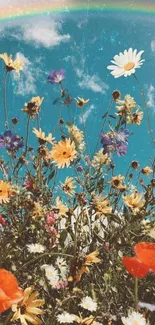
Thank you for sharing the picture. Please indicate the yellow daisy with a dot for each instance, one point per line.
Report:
(134, 201)
(68, 186)
(146, 171)
(5, 192)
(27, 310)
(100, 159)
(10, 65)
(63, 153)
(42, 137)
(80, 102)
(101, 205)
(116, 182)
(62, 208)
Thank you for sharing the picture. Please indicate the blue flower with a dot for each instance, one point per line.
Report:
(10, 141)
(56, 77)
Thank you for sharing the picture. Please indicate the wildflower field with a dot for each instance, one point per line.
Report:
(77, 248)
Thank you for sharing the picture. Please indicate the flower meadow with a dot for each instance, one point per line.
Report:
(80, 248)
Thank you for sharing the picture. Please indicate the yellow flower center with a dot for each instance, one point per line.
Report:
(129, 66)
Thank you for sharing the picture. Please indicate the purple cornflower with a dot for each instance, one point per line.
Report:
(56, 77)
(10, 141)
(122, 135)
(115, 141)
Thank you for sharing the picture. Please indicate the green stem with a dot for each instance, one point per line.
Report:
(4, 100)
(40, 257)
(8, 318)
(136, 292)
(27, 135)
(104, 123)
(38, 122)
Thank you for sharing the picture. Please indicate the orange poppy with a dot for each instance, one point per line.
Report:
(145, 252)
(10, 293)
(135, 267)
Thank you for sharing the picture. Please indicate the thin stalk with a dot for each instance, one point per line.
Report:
(8, 318)
(38, 122)
(40, 257)
(84, 129)
(27, 135)
(4, 101)
(136, 292)
(104, 123)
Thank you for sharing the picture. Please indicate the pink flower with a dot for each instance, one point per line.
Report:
(51, 217)
(51, 230)
(28, 185)
(2, 221)
(61, 284)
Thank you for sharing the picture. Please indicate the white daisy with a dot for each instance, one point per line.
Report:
(66, 318)
(51, 274)
(88, 303)
(35, 248)
(62, 266)
(126, 63)
(134, 318)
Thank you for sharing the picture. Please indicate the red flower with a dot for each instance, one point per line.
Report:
(10, 293)
(145, 252)
(135, 267)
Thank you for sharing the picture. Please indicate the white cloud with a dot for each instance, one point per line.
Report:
(26, 83)
(153, 46)
(86, 80)
(94, 83)
(45, 32)
(151, 97)
(86, 114)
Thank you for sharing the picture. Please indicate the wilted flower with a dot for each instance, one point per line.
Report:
(11, 65)
(116, 95)
(10, 141)
(146, 171)
(125, 64)
(86, 321)
(63, 153)
(81, 101)
(32, 108)
(56, 77)
(27, 310)
(135, 164)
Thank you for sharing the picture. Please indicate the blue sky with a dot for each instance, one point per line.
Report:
(83, 44)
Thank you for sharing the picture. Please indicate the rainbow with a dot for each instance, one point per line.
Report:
(121, 6)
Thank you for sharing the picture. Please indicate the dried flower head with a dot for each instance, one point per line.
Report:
(32, 108)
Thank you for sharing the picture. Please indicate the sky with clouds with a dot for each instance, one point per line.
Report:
(83, 46)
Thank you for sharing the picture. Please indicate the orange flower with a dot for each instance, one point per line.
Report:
(135, 267)
(5, 192)
(10, 293)
(145, 252)
(63, 153)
